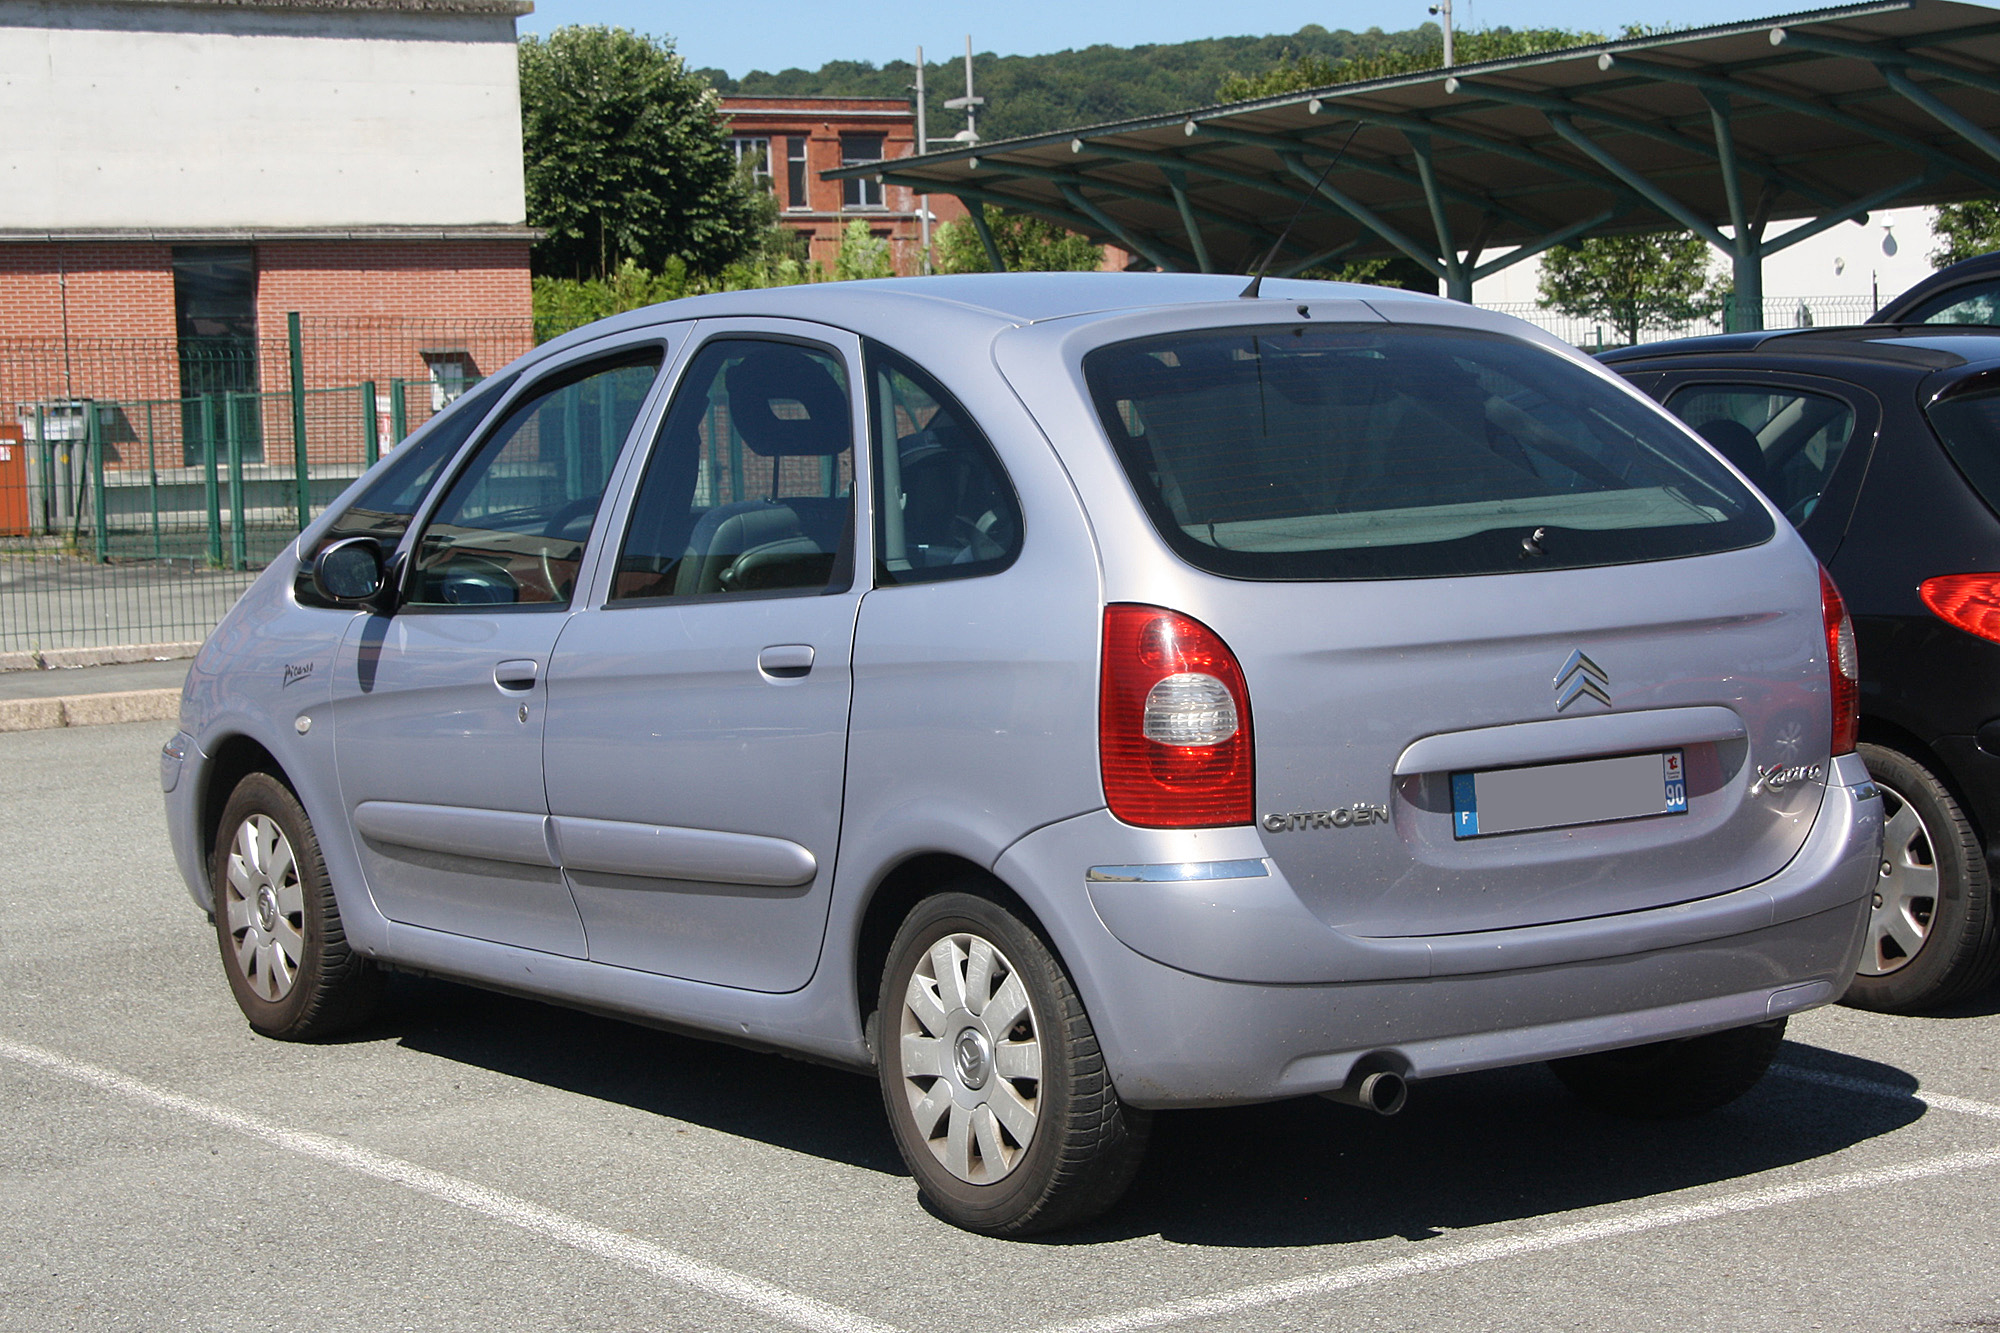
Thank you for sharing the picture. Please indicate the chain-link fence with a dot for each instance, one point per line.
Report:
(1780, 312)
(143, 482)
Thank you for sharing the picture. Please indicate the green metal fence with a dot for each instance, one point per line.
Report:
(137, 518)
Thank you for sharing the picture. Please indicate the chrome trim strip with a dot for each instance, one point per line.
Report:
(1178, 872)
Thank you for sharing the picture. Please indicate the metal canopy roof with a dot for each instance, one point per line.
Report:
(1819, 116)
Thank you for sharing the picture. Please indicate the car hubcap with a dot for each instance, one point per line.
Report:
(1906, 892)
(264, 907)
(971, 1058)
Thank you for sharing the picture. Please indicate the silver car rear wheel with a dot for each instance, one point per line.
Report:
(971, 1059)
(991, 1074)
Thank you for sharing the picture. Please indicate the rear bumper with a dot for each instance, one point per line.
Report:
(1219, 990)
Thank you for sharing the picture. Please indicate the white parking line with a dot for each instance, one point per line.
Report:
(619, 1248)
(1956, 1105)
(1579, 1233)
(1537, 1242)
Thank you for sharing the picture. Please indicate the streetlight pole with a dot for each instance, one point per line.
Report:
(968, 103)
(1443, 10)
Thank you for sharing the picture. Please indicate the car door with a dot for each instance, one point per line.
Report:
(1804, 440)
(439, 707)
(697, 730)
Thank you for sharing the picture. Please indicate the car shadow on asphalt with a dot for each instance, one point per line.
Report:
(1470, 1150)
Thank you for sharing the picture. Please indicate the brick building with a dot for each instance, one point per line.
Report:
(796, 138)
(180, 175)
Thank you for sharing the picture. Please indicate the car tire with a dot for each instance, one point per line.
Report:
(995, 1086)
(1672, 1080)
(276, 922)
(1931, 936)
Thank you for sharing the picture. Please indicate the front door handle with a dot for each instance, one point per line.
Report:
(517, 675)
(786, 661)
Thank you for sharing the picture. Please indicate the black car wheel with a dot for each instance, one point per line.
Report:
(1672, 1080)
(1931, 937)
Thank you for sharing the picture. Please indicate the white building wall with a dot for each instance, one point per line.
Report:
(205, 115)
(1868, 262)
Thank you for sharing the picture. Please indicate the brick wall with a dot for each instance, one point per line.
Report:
(369, 310)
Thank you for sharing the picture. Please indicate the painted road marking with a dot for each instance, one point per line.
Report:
(822, 1317)
(1577, 1233)
(616, 1246)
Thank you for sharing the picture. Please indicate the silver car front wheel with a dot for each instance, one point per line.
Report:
(284, 949)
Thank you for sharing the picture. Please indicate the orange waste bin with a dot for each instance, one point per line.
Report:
(13, 483)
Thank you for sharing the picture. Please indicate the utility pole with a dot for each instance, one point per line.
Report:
(969, 103)
(1443, 10)
(923, 146)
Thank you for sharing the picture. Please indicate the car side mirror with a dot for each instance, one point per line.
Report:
(349, 572)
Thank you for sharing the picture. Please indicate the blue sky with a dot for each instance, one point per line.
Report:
(743, 35)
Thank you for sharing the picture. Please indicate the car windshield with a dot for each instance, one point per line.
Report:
(1354, 452)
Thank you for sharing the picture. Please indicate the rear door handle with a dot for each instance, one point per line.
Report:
(517, 674)
(786, 661)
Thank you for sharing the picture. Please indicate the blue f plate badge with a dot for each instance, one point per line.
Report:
(1589, 791)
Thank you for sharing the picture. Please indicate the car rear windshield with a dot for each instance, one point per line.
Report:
(1969, 424)
(1363, 452)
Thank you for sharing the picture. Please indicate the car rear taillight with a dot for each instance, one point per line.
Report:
(1173, 723)
(1969, 601)
(1843, 666)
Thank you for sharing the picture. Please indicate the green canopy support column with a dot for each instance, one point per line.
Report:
(1361, 213)
(371, 445)
(1746, 255)
(1457, 279)
(93, 436)
(1177, 183)
(1128, 238)
(211, 490)
(976, 210)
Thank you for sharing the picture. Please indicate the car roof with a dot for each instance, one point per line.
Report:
(966, 303)
(1919, 347)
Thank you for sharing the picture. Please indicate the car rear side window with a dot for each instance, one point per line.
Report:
(750, 488)
(513, 527)
(1787, 441)
(1969, 424)
(1363, 452)
(953, 514)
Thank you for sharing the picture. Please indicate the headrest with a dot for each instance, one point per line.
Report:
(786, 404)
(1737, 443)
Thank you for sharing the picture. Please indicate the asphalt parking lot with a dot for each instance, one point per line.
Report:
(477, 1162)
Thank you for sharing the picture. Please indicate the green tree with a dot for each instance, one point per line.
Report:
(862, 254)
(1025, 242)
(626, 158)
(1298, 72)
(1631, 282)
(1965, 230)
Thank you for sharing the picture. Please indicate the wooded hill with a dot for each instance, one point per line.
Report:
(1036, 94)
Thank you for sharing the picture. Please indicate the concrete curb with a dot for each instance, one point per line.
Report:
(89, 710)
(115, 655)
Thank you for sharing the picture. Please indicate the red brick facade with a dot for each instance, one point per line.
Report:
(96, 320)
(808, 135)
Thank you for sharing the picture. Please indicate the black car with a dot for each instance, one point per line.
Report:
(1967, 292)
(1882, 445)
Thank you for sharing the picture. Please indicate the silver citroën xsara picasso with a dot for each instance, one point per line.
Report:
(1068, 696)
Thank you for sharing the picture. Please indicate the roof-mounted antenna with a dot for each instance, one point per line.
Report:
(1256, 286)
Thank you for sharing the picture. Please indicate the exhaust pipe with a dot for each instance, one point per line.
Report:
(1382, 1091)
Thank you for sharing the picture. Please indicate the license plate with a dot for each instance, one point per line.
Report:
(1590, 791)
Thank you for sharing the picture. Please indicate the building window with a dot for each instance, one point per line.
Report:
(856, 150)
(796, 190)
(758, 153)
(215, 318)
